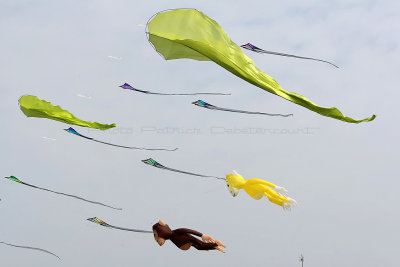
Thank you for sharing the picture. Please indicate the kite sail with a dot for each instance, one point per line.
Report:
(103, 223)
(39, 249)
(189, 33)
(32, 106)
(127, 86)
(203, 104)
(15, 179)
(262, 51)
(71, 130)
(257, 188)
(154, 163)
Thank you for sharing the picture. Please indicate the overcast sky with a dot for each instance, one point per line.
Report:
(344, 176)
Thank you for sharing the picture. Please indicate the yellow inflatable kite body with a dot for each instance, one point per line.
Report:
(257, 188)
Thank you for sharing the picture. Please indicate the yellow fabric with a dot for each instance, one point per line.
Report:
(188, 33)
(32, 106)
(256, 188)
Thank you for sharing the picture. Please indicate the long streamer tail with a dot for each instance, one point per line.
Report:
(13, 178)
(127, 86)
(194, 174)
(154, 163)
(69, 195)
(204, 104)
(73, 131)
(138, 148)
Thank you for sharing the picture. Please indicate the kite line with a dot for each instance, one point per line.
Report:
(127, 86)
(73, 131)
(262, 51)
(103, 223)
(204, 104)
(154, 163)
(15, 179)
(33, 248)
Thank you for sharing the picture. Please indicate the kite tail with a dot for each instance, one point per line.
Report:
(294, 56)
(194, 174)
(103, 223)
(190, 94)
(33, 248)
(131, 230)
(127, 86)
(73, 131)
(139, 148)
(68, 195)
(256, 113)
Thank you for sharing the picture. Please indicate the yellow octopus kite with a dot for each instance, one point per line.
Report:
(258, 188)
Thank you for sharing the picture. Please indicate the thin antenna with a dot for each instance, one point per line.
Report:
(301, 259)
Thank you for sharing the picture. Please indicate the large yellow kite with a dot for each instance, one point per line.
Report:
(189, 33)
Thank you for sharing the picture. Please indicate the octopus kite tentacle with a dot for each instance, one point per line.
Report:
(262, 51)
(15, 179)
(73, 131)
(33, 248)
(204, 104)
(127, 86)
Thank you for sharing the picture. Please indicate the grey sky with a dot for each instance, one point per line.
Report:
(344, 176)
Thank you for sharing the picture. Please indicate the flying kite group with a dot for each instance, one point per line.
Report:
(189, 33)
